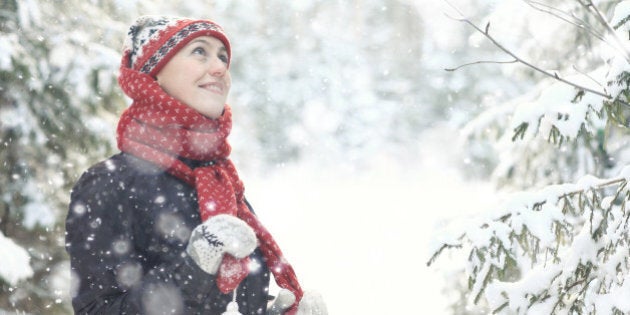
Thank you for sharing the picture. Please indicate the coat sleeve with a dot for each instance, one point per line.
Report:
(110, 275)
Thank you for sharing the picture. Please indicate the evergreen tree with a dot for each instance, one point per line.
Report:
(57, 98)
(560, 247)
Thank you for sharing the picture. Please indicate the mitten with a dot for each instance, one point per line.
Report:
(311, 303)
(281, 303)
(219, 235)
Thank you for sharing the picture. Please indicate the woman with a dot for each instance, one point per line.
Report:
(163, 227)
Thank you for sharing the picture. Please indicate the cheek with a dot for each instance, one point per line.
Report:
(168, 84)
(228, 81)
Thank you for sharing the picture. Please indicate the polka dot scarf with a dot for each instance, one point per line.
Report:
(160, 129)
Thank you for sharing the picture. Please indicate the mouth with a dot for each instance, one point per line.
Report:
(213, 87)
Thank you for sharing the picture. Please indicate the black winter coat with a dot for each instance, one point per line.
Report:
(126, 232)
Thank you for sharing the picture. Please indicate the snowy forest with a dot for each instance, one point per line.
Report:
(416, 156)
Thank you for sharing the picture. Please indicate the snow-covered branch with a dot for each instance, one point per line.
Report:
(592, 8)
(486, 33)
(480, 62)
(562, 248)
(554, 249)
(15, 263)
(569, 18)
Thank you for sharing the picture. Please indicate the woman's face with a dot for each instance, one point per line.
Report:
(198, 76)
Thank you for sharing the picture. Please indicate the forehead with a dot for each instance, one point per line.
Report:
(208, 41)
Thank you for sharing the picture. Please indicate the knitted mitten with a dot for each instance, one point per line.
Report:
(311, 303)
(281, 303)
(219, 235)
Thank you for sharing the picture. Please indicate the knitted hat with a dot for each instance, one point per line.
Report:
(153, 40)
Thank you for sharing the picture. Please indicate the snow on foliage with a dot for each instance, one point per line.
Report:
(621, 13)
(15, 264)
(560, 248)
(8, 44)
(38, 210)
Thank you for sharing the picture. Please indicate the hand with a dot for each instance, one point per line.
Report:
(219, 235)
(312, 303)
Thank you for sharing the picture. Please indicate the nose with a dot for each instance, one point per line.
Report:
(217, 67)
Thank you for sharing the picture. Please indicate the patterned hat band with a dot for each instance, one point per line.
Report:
(153, 40)
(182, 37)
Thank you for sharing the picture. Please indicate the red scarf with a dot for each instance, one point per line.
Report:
(160, 129)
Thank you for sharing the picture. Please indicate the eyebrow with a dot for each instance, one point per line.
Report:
(200, 40)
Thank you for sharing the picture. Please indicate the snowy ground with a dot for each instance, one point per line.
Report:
(361, 239)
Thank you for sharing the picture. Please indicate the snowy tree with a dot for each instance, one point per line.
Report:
(57, 99)
(558, 243)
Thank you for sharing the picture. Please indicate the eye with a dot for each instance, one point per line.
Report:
(224, 58)
(199, 51)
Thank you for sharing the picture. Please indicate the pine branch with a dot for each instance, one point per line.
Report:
(590, 7)
(479, 62)
(608, 183)
(590, 77)
(571, 19)
(4, 219)
(585, 201)
(554, 75)
(582, 24)
(439, 251)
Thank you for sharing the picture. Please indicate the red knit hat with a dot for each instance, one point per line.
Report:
(153, 40)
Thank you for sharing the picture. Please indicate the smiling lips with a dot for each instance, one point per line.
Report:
(214, 87)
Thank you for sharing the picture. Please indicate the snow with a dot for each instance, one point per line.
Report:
(357, 237)
(160, 299)
(15, 264)
(617, 297)
(536, 280)
(361, 229)
(583, 250)
(622, 11)
(554, 109)
(540, 274)
(37, 211)
(28, 12)
(8, 45)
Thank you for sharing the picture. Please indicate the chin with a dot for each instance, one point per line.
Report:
(213, 113)
(212, 110)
